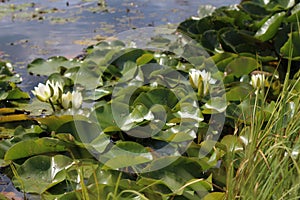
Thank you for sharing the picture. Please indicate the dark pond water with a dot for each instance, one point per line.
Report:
(42, 28)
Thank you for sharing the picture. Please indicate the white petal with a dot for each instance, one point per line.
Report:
(76, 99)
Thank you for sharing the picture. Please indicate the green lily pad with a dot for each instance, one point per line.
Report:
(254, 9)
(54, 122)
(232, 143)
(39, 173)
(215, 196)
(16, 93)
(276, 5)
(215, 104)
(51, 65)
(241, 66)
(295, 14)
(33, 147)
(144, 59)
(127, 154)
(239, 92)
(243, 41)
(270, 27)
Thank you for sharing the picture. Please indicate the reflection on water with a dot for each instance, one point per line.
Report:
(43, 28)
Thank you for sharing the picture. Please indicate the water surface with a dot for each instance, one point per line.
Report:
(44, 28)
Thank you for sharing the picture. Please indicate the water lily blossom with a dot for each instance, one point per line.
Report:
(42, 92)
(201, 80)
(76, 99)
(73, 99)
(66, 100)
(56, 90)
(257, 80)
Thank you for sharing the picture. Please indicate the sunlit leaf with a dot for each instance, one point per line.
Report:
(215, 196)
(33, 147)
(13, 118)
(270, 27)
(144, 59)
(54, 122)
(39, 173)
(232, 143)
(127, 154)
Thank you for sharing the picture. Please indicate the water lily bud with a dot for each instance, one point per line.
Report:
(194, 78)
(9, 66)
(73, 100)
(42, 92)
(76, 99)
(66, 100)
(257, 80)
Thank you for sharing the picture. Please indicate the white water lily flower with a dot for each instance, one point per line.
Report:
(66, 100)
(257, 80)
(76, 99)
(56, 90)
(73, 99)
(42, 92)
(201, 78)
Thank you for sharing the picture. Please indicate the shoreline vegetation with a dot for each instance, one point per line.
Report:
(213, 113)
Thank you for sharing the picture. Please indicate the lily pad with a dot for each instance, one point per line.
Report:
(127, 154)
(33, 147)
(270, 27)
(239, 92)
(241, 66)
(51, 65)
(40, 173)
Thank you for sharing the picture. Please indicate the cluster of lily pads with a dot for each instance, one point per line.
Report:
(156, 124)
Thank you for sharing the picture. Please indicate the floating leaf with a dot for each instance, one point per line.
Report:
(254, 8)
(215, 104)
(215, 196)
(241, 66)
(295, 14)
(81, 130)
(54, 122)
(127, 154)
(239, 92)
(232, 143)
(270, 27)
(276, 5)
(16, 93)
(144, 59)
(242, 41)
(88, 76)
(33, 147)
(162, 96)
(39, 173)
(51, 65)
(13, 118)
(210, 40)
